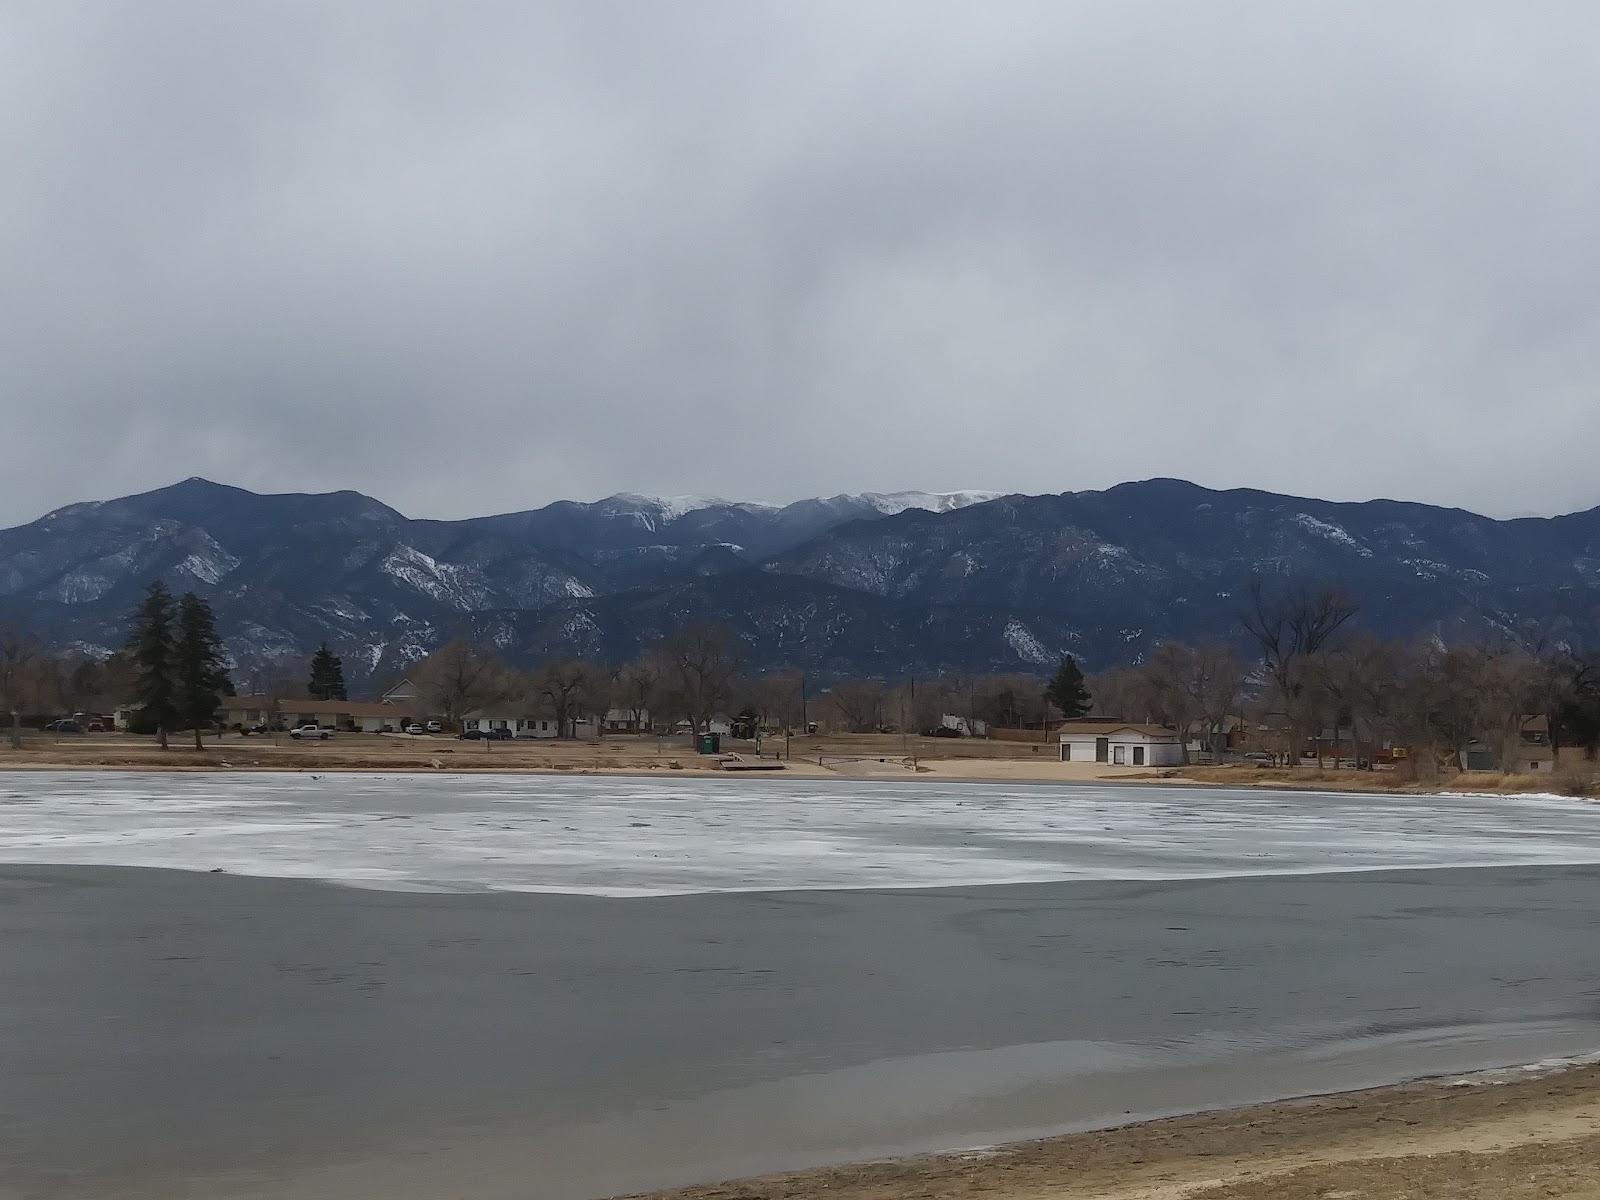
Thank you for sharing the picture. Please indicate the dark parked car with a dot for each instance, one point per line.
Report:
(472, 735)
(65, 725)
(499, 735)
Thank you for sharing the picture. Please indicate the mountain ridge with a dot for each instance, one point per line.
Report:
(872, 581)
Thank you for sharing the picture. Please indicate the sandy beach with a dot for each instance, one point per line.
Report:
(1500, 1135)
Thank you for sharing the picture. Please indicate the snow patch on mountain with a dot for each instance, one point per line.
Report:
(891, 503)
(649, 510)
(1331, 532)
(1028, 648)
(80, 587)
(210, 563)
(458, 586)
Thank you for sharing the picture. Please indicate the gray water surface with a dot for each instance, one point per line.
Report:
(176, 1034)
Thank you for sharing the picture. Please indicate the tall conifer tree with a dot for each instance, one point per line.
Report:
(1066, 689)
(152, 651)
(327, 675)
(201, 676)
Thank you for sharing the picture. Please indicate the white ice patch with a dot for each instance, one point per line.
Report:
(625, 836)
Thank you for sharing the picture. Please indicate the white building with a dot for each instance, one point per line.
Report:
(965, 726)
(513, 718)
(1121, 744)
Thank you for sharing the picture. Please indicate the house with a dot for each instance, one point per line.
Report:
(404, 692)
(1121, 744)
(354, 716)
(719, 723)
(965, 726)
(518, 719)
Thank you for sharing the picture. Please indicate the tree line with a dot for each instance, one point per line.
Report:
(1308, 670)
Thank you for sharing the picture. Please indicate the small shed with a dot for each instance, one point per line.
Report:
(1121, 744)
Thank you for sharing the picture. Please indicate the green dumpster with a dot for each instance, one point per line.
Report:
(709, 743)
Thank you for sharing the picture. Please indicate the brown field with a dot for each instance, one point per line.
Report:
(874, 755)
(1500, 1136)
(868, 755)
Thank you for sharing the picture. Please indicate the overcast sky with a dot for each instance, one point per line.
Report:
(473, 257)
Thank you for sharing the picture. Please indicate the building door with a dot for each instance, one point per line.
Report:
(1066, 751)
(1120, 756)
(1138, 756)
(1102, 748)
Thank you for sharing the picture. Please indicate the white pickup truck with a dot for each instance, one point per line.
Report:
(311, 731)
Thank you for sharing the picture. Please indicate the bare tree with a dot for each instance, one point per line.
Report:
(458, 677)
(1172, 676)
(637, 686)
(859, 703)
(1217, 683)
(698, 664)
(1121, 693)
(19, 664)
(1291, 630)
(563, 685)
(1364, 679)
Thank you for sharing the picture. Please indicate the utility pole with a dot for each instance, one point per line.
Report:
(805, 725)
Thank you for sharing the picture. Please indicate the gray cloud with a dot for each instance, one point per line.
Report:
(475, 257)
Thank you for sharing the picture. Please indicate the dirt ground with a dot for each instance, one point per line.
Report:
(1499, 1136)
(856, 756)
(868, 756)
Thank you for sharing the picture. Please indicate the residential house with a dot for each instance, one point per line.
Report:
(353, 716)
(1530, 752)
(404, 692)
(1121, 744)
(520, 718)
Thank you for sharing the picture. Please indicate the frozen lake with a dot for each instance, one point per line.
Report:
(625, 836)
(574, 986)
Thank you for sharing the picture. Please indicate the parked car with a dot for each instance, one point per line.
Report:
(472, 735)
(65, 725)
(498, 735)
(316, 732)
(414, 728)
(435, 727)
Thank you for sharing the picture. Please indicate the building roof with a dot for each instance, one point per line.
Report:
(353, 708)
(1102, 728)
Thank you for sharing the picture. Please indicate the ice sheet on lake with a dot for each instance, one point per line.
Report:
(622, 836)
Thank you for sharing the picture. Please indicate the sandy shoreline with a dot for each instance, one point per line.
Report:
(1512, 1134)
(850, 756)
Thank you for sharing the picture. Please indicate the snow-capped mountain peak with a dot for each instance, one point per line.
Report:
(890, 503)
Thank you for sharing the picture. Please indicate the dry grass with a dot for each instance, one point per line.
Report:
(1578, 779)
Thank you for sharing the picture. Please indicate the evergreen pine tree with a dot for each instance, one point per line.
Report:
(327, 675)
(151, 651)
(201, 676)
(1066, 690)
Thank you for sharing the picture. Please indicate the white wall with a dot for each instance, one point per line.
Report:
(1080, 748)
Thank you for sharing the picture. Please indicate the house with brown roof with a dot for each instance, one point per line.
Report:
(353, 716)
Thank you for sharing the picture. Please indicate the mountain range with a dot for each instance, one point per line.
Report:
(870, 583)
